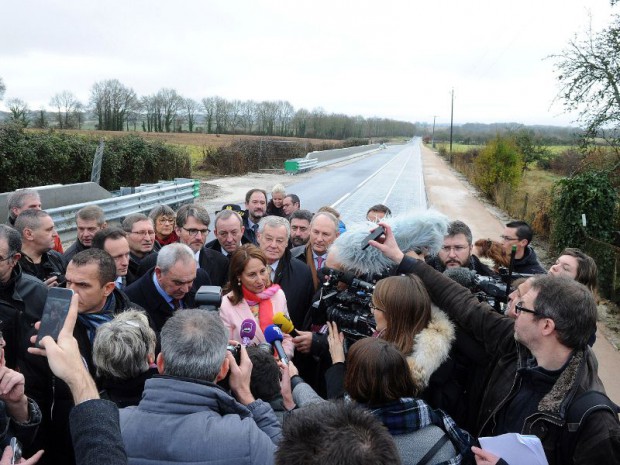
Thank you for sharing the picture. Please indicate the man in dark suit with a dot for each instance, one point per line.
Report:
(255, 208)
(192, 227)
(293, 276)
(171, 285)
(228, 231)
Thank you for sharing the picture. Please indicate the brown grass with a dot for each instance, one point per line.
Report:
(184, 138)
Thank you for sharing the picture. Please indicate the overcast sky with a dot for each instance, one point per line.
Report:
(393, 59)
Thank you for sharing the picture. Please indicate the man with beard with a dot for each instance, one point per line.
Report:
(255, 208)
(456, 251)
(300, 227)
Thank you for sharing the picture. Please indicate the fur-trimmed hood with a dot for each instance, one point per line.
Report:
(431, 347)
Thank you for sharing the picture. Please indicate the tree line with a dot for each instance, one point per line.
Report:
(116, 107)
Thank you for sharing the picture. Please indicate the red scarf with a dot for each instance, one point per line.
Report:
(265, 306)
(171, 239)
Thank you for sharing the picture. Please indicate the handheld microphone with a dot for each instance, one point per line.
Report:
(247, 331)
(285, 324)
(273, 335)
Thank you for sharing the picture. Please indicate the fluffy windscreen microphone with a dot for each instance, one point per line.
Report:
(285, 324)
(422, 229)
(273, 335)
(464, 276)
(247, 331)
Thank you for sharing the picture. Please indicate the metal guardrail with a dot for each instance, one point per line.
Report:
(144, 198)
(297, 165)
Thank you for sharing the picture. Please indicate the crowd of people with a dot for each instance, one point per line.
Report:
(144, 371)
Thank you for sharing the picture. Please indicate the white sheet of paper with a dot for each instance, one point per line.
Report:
(516, 449)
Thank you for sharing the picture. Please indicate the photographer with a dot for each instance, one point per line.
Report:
(539, 364)
(405, 317)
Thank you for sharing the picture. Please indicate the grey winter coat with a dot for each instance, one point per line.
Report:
(189, 421)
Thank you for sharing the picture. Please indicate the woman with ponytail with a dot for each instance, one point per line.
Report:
(251, 295)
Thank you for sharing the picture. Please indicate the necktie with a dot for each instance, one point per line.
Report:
(176, 304)
(319, 263)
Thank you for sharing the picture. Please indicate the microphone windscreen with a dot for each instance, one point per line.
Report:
(283, 322)
(248, 329)
(273, 333)
(423, 229)
(464, 276)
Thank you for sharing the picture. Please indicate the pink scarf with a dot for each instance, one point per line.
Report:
(265, 306)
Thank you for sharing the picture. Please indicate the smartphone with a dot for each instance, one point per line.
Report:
(373, 236)
(54, 313)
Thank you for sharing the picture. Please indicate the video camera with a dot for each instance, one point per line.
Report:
(349, 308)
(209, 297)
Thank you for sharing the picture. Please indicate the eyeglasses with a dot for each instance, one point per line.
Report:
(194, 232)
(10, 255)
(508, 238)
(165, 220)
(520, 308)
(143, 233)
(456, 248)
(374, 307)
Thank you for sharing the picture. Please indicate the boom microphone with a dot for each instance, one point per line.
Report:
(247, 331)
(464, 276)
(285, 324)
(273, 335)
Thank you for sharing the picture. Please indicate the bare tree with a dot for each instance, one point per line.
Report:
(191, 107)
(588, 71)
(111, 102)
(221, 115)
(209, 106)
(2, 88)
(248, 116)
(66, 103)
(170, 104)
(20, 112)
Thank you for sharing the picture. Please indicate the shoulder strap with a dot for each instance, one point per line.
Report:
(433, 450)
(578, 411)
(585, 404)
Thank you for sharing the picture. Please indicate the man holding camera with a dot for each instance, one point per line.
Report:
(539, 365)
(38, 259)
(185, 406)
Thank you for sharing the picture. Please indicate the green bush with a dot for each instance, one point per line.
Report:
(40, 158)
(591, 193)
(499, 163)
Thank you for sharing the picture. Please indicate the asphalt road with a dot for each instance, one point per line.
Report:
(392, 177)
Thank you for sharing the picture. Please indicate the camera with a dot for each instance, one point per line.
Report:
(60, 278)
(209, 297)
(235, 350)
(349, 308)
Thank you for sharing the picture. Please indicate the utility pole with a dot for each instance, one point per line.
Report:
(433, 140)
(451, 123)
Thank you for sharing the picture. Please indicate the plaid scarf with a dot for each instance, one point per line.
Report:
(408, 415)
